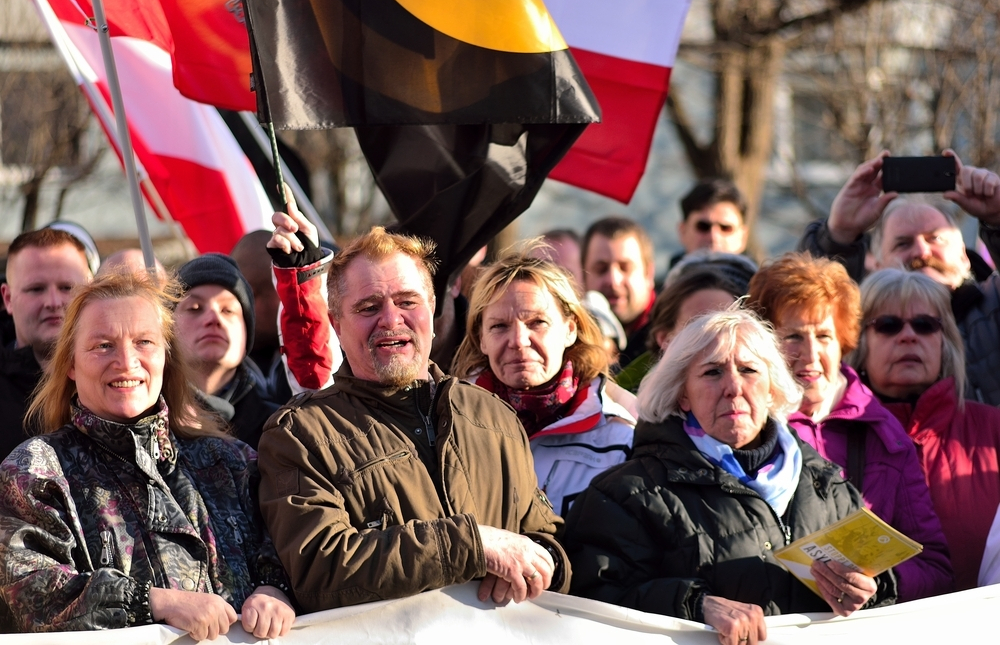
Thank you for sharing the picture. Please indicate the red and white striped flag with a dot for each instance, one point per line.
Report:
(626, 50)
(205, 181)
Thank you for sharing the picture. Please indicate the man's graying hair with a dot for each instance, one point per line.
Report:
(943, 206)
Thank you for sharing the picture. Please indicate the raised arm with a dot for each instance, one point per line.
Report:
(855, 209)
(310, 350)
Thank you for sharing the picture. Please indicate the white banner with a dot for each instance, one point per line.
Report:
(455, 615)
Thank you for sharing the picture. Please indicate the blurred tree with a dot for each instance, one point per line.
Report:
(744, 51)
(44, 118)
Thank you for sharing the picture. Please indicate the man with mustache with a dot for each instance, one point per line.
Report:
(397, 478)
(215, 325)
(43, 267)
(918, 236)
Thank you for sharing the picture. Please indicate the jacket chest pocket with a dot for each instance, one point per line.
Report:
(365, 488)
(370, 467)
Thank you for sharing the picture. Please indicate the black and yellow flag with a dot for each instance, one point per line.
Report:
(462, 107)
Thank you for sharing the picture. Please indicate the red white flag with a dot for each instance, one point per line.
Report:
(211, 52)
(198, 170)
(626, 50)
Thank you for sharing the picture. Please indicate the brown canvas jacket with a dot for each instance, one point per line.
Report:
(357, 516)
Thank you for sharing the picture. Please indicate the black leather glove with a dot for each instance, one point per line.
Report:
(309, 254)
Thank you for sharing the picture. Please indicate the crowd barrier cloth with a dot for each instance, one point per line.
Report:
(455, 615)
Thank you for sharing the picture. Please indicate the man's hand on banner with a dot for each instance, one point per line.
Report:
(268, 613)
(204, 616)
(519, 569)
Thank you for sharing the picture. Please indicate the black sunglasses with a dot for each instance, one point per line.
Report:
(922, 325)
(704, 226)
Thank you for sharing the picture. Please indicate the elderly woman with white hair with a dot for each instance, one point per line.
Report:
(687, 527)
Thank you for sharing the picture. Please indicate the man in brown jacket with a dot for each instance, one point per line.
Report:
(398, 478)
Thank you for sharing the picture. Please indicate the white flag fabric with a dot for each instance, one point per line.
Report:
(455, 615)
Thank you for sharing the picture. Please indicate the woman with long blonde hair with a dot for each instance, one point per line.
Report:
(132, 506)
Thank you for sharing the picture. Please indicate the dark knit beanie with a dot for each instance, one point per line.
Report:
(221, 270)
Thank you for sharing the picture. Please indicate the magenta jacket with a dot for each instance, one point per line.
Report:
(894, 484)
(959, 452)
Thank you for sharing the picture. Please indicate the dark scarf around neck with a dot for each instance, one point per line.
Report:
(539, 407)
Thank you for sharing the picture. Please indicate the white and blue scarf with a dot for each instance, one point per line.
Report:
(776, 480)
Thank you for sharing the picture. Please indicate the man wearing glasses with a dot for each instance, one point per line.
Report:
(713, 218)
(919, 235)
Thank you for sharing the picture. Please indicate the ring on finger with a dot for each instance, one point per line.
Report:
(840, 599)
(744, 639)
(532, 576)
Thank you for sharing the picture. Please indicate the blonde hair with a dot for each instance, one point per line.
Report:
(662, 389)
(378, 244)
(50, 408)
(587, 353)
(892, 288)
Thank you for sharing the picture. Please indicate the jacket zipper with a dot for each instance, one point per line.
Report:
(159, 573)
(107, 555)
(237, 535)
(428, 425)
(785, 529)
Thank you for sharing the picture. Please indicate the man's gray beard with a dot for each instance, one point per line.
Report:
(398, 372)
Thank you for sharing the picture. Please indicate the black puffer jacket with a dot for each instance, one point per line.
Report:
(667, 526)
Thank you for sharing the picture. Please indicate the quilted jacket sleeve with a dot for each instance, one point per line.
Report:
(618, 565)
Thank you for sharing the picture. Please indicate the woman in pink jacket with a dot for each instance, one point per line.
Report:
(816, 310)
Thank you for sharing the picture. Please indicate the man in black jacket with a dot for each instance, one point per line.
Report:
(43, 267)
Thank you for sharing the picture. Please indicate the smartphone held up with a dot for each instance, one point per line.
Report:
(918, 174)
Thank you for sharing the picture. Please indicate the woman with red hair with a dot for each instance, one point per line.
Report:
(815, 308)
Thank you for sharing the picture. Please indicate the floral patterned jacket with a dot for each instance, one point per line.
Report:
(94, 514)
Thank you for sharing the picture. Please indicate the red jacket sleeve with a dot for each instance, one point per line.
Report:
(309, 347)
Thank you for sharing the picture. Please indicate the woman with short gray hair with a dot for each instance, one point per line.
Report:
(688, 525)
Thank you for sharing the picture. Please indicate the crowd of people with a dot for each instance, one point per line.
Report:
(265, 433)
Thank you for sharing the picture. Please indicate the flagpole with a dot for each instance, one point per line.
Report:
(124, 136)
(305, 205)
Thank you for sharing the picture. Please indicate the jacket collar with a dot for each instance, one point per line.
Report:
(860, 405)
(224, 403)
(144, 443)
(684, 463)
(386, 396)
(19, 361)
(933, 411)
(965, 298)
